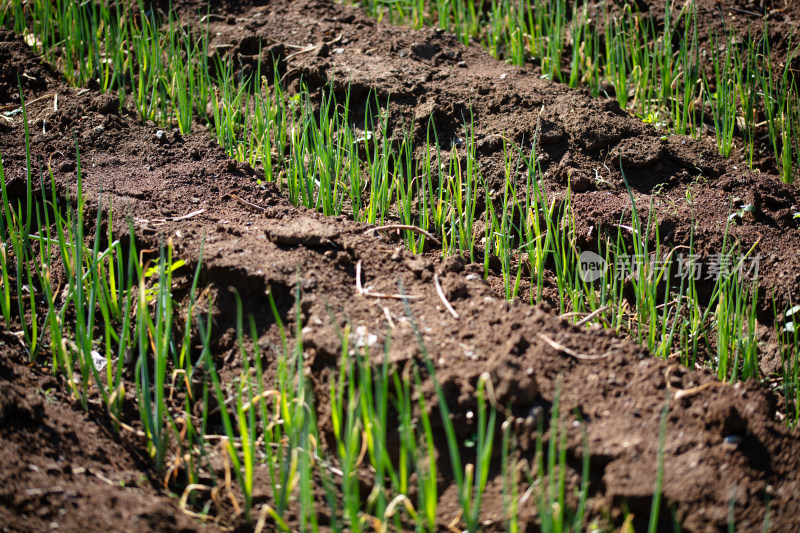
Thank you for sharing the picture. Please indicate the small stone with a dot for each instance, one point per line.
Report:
(161, 136)
(731, 443)
(734, 440)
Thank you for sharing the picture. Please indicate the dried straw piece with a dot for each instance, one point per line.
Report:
(440, 292)
(415, 229)
(572, 353)
(364, 292)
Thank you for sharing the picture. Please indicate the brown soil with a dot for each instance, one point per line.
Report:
(66, 466)
(63, 468)
(429, 73)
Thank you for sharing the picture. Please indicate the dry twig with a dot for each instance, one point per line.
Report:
(440, 292)
(388, 315)
(588, 318)
(185, 498)
(364, 292)
(572, 353)
(305, 50)
(159, 221)
(453, 525)
(414, 229)
(248, 204)
(680, 393)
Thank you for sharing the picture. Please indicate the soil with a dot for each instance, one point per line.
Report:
(64, 468)
(724, 443)
(428, 73)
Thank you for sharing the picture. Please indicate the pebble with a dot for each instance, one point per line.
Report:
(731, 442)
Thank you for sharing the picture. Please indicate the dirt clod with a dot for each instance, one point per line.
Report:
(722, 444)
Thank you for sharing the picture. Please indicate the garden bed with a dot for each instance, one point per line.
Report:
(598, 421)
